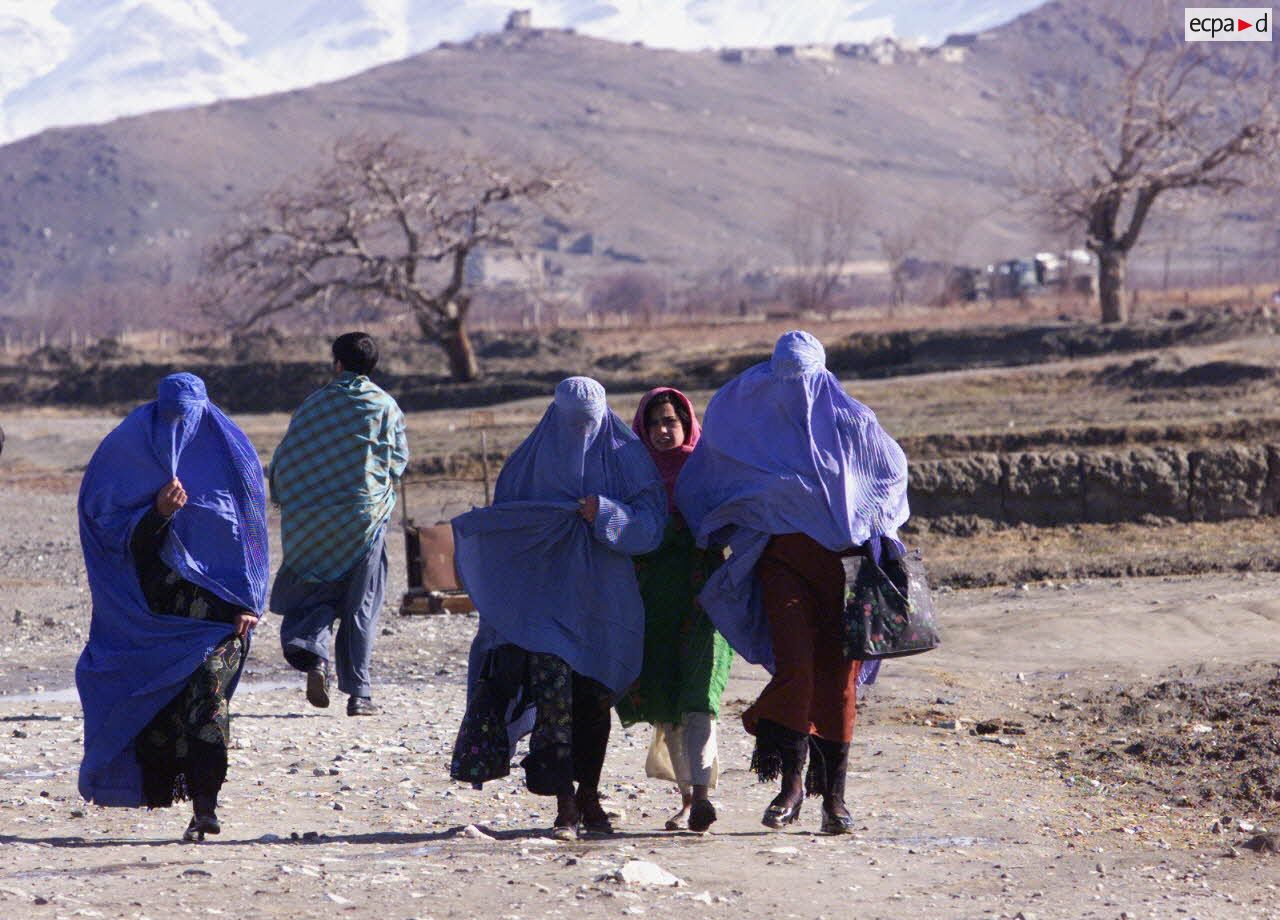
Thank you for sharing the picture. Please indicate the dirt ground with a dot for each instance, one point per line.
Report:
(1079, 747)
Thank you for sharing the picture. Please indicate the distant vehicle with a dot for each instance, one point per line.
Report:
(1064, 269)
(1050, 268)
(1014, 278)
(1073, 270)
(967, 283)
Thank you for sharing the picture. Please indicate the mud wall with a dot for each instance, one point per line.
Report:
(1187, 484)
(1265, 430)
(249, 380)
(249, 387)
(918, 351)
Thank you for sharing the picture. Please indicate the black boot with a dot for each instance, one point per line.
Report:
(591, 723)
(830, 780)
(594, 818)
(205, 819)
(206, 771)
(780, 754)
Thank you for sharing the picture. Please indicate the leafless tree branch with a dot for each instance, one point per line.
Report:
(1169, 117)
(387, 223)
(821, 236)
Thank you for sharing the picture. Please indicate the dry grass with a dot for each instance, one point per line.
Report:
(1035, 554)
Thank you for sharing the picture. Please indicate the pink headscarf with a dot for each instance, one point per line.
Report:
(669, 462)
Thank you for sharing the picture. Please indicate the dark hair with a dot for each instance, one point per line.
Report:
(357, 352)
(675, 402)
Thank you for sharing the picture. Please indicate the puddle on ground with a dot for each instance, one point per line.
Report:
(266, 686)
(79, 871)
(22, 776)
(65, 695)
(69, 694)
(949, 843)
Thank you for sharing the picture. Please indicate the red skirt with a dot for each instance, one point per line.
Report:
(814, 690)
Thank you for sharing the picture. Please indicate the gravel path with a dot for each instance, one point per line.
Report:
(326, 815)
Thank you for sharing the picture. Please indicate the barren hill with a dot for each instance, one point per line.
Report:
(692, 159)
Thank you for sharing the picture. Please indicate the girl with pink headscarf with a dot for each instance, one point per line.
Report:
(686, 662)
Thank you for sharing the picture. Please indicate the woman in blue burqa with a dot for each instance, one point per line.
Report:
(173, 527)
(561, 632)
(792, 473)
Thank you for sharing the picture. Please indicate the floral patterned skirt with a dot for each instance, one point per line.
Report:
(183, 749)
(513, 682)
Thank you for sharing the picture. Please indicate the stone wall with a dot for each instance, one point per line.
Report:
(1062, 487)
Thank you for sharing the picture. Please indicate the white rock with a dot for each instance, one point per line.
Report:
(474, 833)
(641, 872)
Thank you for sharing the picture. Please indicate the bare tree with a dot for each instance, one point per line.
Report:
(635, 292)
(388, 225)
(1155, 116)
(924, 250)
(896, 246)
(548, 298)
(720, 289)
(942, 238)
(820, 235)
(1269, 238)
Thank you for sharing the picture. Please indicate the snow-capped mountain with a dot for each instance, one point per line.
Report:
(86, 61)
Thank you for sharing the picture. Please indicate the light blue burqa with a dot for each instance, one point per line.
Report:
(785, 450)
(541, 577)
(136, 661)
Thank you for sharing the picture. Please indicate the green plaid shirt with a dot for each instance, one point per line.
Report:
(334, 476)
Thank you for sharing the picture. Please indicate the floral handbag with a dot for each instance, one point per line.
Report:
(888, 611)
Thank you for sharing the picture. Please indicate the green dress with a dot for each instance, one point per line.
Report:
(686, 662)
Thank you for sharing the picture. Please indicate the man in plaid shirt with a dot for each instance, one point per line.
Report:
(334, 478)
